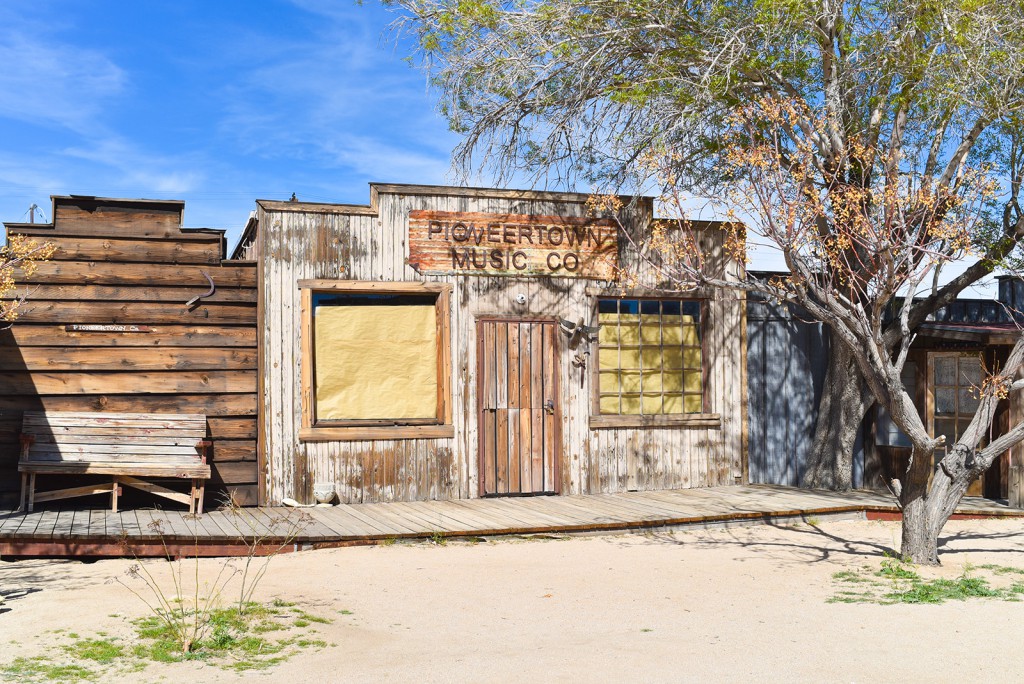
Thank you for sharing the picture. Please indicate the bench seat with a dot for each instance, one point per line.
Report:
(124, 446)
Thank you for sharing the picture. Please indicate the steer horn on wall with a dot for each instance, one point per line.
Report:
(576, 331)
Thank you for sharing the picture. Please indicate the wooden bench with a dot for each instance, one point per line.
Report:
(125, 446)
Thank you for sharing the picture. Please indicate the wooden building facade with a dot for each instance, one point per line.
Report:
(451, 343)
(135, 314)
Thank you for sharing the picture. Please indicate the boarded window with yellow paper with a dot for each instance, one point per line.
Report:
(376, 357)
(649, 357)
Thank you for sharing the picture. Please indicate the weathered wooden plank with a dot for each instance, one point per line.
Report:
(127, 525)
(231, 427)
(137, 293)
(538, 455)
(552, 407)
(94, 215)
(348, 523)
(142, 382)
(369, 521)
(492, 509)
(501, 388)
(119, 435)
(185, 335)
(207, 250)
(225, 450)
(237, 494)
(119, 467)
(10, 521)
(132, 358)
(485, 518)
(501, 440)
(42, 451)
(211, 404)
(394, 518)
(154, 275)
(114, 419)
(140, 313)
(514, 385)
(233, 472)
(514, 452)
(448, 511)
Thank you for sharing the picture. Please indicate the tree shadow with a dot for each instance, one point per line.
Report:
(812, 543)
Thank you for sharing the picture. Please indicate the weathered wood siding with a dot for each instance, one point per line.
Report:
(304, 241)
(787, 356)
(129, 263)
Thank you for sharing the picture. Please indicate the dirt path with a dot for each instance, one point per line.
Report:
(728, 605)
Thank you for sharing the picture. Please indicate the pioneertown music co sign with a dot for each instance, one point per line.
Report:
(444, 242)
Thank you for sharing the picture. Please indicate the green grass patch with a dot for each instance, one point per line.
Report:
(1002, 569)
(255, 638)
(98, 650)
(42, 669)
(896, 581)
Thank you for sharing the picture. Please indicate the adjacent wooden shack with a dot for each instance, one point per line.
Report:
(786, 370)
(447, 343)
(108, 327)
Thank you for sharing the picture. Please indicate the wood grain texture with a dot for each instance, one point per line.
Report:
(130, 263)
(700, 453)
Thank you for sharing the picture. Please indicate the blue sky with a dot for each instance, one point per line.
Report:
(217, 103)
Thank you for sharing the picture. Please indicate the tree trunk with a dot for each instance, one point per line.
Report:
(920, 542)
(927, 508)
(845, 398)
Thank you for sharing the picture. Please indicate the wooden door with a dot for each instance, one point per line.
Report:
(519, 412)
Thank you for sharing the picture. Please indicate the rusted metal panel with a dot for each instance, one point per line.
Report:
(473, 243)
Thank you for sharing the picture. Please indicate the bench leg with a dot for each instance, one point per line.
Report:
(31, 491)
(113, 495)
(24, 492)
(195, 499)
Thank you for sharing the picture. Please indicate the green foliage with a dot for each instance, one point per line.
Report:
(40, 669)
(98, 650)
(233, 635)
(584, 87)
(897, 582)
(235, 640)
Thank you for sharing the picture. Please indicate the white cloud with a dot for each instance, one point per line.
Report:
(52, 83)
(341, 98)
(159, 173)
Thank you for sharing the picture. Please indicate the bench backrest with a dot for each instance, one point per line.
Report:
(63, 437)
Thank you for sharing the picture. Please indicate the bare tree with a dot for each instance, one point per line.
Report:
(573, 91)
(858, 255)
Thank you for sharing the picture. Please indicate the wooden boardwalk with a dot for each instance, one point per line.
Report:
(63, 531)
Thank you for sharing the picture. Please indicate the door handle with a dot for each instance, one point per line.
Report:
(549, 406)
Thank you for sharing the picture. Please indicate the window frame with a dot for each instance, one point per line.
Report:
(439, 427)
(705, 419)
(956, 417)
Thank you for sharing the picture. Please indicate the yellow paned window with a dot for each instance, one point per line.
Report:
(650, 360)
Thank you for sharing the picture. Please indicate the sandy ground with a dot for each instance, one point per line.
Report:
(739, 604)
